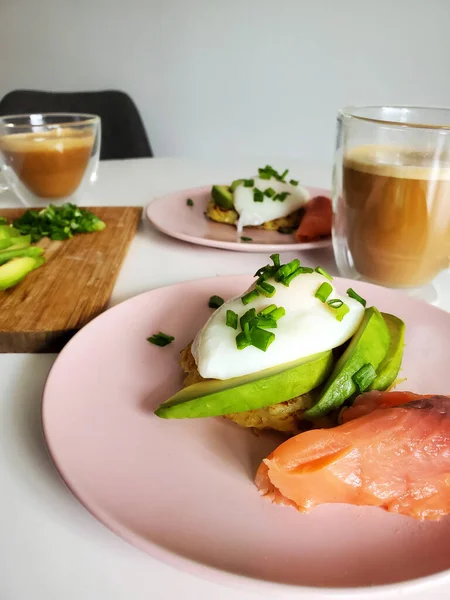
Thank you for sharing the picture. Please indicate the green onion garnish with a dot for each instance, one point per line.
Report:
(267, 322)
(231, 319)
(246, 330)
(287, 280)
(341, 312)
(323, 272)
(241, 341)
(352, 294)
(281, 197)
(248, 317)
(285, 270)
(364, 377)
(270, 192)
(323, 291)
(306, 270)
(249, 182)
(335, 303)
(269, 309)
(276, 260)
(266, 289)
(246, 239)
(278, 313)
(258, 196)
(215, 302)
(261, 338)
(294, 182)
(160, 339)
(283, 174)
(263, 174)
(190, 202)
(250, 296)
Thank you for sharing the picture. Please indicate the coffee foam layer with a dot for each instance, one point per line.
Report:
(398, 161)
(59, 140)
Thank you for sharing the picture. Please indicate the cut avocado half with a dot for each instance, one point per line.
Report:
(16, 269)
(223, 196)
(369, 345)
(216, 397)
(31, 252)
(390, 366)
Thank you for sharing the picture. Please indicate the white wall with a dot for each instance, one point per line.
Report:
(233, 77)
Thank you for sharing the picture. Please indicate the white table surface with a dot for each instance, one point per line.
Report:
(50, 546)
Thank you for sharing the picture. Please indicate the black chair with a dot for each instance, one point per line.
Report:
(123, 132)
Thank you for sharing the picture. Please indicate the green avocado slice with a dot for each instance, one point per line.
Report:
(15, 270)
(32, 252)
(223, 196)
(369, 345)
(390, 366)
(216, 397)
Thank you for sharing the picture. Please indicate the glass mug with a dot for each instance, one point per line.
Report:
(48, 158)
(391, 194)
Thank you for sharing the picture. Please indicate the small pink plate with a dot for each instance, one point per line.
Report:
(183, 490)
(171, 215)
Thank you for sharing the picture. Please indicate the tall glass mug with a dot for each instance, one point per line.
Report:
(391, 194)
(48, 158)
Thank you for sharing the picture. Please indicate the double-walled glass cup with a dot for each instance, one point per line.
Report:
(48, 158)
(391, 194)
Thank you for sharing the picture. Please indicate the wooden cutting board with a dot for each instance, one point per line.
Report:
(51, 304)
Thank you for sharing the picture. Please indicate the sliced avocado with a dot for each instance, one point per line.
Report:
(5, 243)
(216, 397)
(223, 196)
(8, 231)
(16, 269)
(32, 252)
(369, 345)
(390, 366)
(235, 184)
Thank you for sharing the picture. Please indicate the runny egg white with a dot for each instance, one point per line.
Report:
(309, 326)
(257, 213)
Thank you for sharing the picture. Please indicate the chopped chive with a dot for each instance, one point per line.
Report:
(215, 302)
(261, 338)
(287, 269)
(364, 377)
(323, 272)
(190, 202)
(276, 260)
(247, 298)
(249, 182)
(323, 291)
(248, 317)
(267, 322)
(246, 239)
(306, 270)
(258, 196)
(293, 182)
(260, 272)
(263, 174)
(241, 341)
(246, 331)
(160, 339)
(269, 309)
(287, 280)
(335, 303)
(270, 192)
(283, 174)
(281, 197)
(231, 319)
(285, 229)
(266, 289)
(352, 294)
(341, 312)
(278, 313)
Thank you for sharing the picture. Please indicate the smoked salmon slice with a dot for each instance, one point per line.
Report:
(392, 451)
(316, 221)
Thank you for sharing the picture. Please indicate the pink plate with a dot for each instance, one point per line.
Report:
(171, 215)
(183, 490)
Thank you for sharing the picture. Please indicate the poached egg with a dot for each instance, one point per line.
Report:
(308, 327)
(256, 213)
